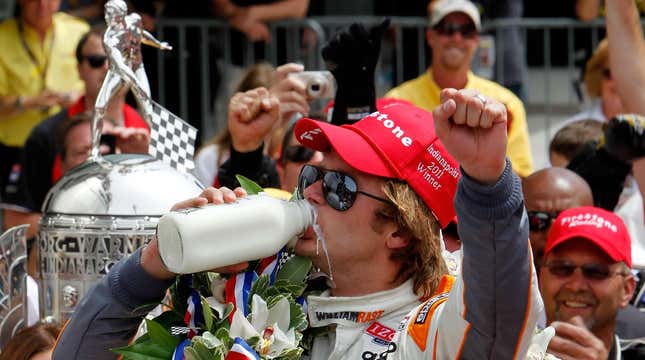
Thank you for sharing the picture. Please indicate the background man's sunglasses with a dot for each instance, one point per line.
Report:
(540, 220)
(448, 29)
(95, 61)
(338, 188)
(565, 269)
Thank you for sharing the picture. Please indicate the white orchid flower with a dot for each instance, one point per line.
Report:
(270, 325)
(539, 344)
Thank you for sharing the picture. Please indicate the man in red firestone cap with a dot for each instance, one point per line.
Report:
(382, 193)
(585, 279)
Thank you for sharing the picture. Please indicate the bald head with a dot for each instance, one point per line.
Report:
(548, 192)
(555, 189)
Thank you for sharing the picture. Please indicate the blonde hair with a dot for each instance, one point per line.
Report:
(421, 259)
(594, 68)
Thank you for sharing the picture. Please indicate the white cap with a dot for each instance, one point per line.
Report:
(444, 7)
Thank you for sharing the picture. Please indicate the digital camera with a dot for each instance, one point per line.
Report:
(320, 84)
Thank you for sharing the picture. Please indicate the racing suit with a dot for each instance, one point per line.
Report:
(489, 311)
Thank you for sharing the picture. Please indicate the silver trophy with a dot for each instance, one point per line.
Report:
(106, 208)
(13, 283)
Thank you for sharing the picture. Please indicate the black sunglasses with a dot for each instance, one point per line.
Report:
(540, 220)
(565, 269)
(297, 154)
(448, 29)
(95, 61)
(338, 188)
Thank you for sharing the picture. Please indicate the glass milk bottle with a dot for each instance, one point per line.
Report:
(253, 227)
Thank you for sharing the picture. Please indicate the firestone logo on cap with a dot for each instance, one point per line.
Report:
(390, 124)
(309, 134)
(588, 219)
(599, 226)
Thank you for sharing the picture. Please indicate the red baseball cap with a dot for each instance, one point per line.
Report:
(603, 228)
(397, 142)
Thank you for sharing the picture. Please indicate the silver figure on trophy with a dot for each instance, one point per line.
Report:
(122, 41)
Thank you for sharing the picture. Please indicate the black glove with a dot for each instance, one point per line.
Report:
(604, 173)
(625, 138)
(351, 55)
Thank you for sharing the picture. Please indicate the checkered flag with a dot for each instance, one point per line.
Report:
(172, 140)
(284, 256)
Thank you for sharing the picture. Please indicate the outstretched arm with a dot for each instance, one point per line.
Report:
(148, 39)
(494, 232)
(627, 49)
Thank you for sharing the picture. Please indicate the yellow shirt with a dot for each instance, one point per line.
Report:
(424, 93)
(19, 75)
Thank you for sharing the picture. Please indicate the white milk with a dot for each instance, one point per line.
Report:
(254, 227)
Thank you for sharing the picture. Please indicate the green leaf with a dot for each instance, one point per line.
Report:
(170, 318)
(143, 338)
(208, 314)
(249, 185)
(295, 269)
(298, 319)
(179, 292)
(260, 287)
(202, 283)
(198, 351)
(145, 350)
(286, 287)
(223, 334)
(223, 322)
(161, 336)
(290, 354)
(227, 311)
(272, 300)
(253, 341)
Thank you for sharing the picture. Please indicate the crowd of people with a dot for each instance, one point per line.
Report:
(437, 170)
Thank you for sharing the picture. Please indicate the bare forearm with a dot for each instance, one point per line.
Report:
(14, 104)
(627, 49)
(281, 10)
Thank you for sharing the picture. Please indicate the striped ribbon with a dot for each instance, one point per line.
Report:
(179, 350)
(194, 314)
(241, 351)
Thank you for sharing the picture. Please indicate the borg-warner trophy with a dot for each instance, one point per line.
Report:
(107, 207)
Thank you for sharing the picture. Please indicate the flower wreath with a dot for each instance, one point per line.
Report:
(257, 314)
